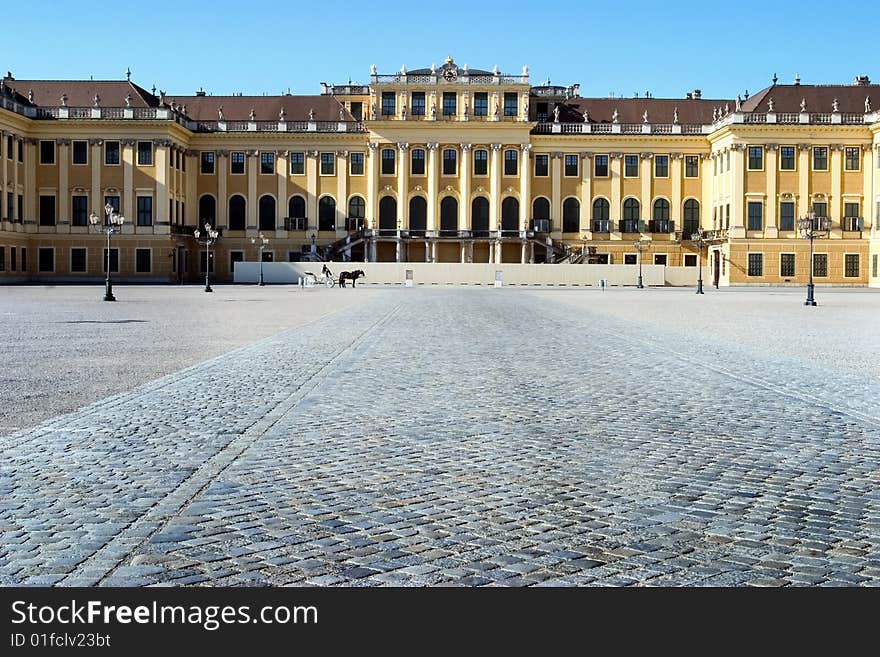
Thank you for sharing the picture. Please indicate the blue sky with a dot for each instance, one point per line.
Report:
(723, 48)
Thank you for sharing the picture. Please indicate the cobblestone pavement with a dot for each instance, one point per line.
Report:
(458, 437)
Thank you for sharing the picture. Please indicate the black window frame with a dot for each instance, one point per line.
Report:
(820, 265)
(389, 103)
(449, 102)
(144, 147)
(207, 163)
(755, 267)
(851, 265)
(418, 103)
(787, 265)
(661, 166)
(112, 153)
(450, 162)
(297, 163)
(356, 164)
(47, 151)
(79, 260)
(138, 254)
(237, 161)
(481, 103)
(511, 103)
(74, 147)
(79, 210)
(852, 154)
(787, 156)
(570, 160)
(820, 154)
(542, 165)
(630, 161)
(508, 169)
(327, 163)
(48, 215)
(41, 262)
(755, 215)
(481, 162)
(787, 213)
(691, 163)
(600, 164)
(144, 205)
(267, 163)
(389, 163)
(755, 158)
(417, 162)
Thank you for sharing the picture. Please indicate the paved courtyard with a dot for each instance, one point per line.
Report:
(450, 436)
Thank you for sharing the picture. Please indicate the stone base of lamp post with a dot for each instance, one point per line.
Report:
(108, 292)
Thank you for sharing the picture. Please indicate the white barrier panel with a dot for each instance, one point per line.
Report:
(442, 273)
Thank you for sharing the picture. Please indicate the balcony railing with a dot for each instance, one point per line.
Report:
(661, 226)
(629, 226)
(540, 225)
(296, 223)
(853, 223)
(601, 226)
(690, 226)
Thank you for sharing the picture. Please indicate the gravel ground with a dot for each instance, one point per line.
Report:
(63, 347)
(840, 334)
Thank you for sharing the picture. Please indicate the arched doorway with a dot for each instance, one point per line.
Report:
(571, 215)
(449, 217)
(418, 216)
(357, 208)
(388, 214)
(480, 216)
(296, 213)
(267, 213)
(207, 211)
(541, 215)
(237, 212)
(510, 215)
(327, 213)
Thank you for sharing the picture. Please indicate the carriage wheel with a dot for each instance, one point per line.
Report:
(330, 282)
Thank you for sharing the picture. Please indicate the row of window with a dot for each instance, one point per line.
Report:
(449, 103)
(79, 209)
(13, 144)
(788, 158)
(13, 258)
(820, 265)
(80, 153)
(755, 214)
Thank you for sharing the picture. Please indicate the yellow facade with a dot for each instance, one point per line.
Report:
(438, 165)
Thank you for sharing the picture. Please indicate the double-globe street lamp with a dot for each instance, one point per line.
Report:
(699, 238)
(811, 227)
(263, 242)
(211, 236)
(641, 245)
(113, 224)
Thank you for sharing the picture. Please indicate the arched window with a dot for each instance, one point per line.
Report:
(237, 212)
(207, 211)
(418, 214)
(357, 208)
(660, 215)
(630, 223)
(510, 215)
(571, 215)
(296, 207)
(327, 213)
(691, 216)
(601, 211)
(267, 213)
(448, 215)
(480, 215)
(541, 208)
(387, 213)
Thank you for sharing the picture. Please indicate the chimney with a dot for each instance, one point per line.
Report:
(698, 93)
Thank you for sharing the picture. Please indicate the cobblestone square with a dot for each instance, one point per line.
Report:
(441, 436)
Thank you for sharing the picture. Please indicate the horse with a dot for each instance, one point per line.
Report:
(350, 276)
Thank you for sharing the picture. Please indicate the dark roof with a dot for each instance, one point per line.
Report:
(820, 98)
(266, 108)
(631, 110)
(81, 93)
(470, 71)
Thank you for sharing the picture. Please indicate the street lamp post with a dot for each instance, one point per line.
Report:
(263, 241)
(699, 239)
(112, 225)
(641, 245)
(210, 237)
(811, 227)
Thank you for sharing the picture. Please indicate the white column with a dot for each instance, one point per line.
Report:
(494, 187)
(161, 165)
(97, 160)
(4, 174)
(222, 201)
(341, 191)
(556, 192)
(30, 183)
(804, 203)
(464, 207)
(253, 163)
(616, 190)
(63, 180)
(677, 215)
(525, 187)
(586, 192)
(402, 187)
(835, 201)
(128, 209)
(371, 218)
(771, 226)
(281, 169)
(737, 209)
(868, 202)
(433, 149)
(191, 208)
(646, 177)
(312, 188)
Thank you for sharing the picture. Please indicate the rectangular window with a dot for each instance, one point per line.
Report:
(756, 216)
(387, 162)
(630, 259)
(786, 215)
(510, 163)
(571, 165)
(690, 260)
(113, 201)
(208, 163)
(111, 152)
(24, 263)
(418, 103)
(114, 260)
(481, 162)
(20, 207)
(297, 164)
(850, 209)
(47, 151)
(10, 147)
(875, 262)
(356, 164)
(450, 161)
(328, 164)
(542, 165)
(820, 264)
(145, 154)
(357, 111)
(79, 215)
(631, 166)
(10, 206)
(236, 162)
(449, 104)
(820, 158)
(510, 103)
(12, 262)
(2, 258)
(600, 166)
(21, 150)
(660, 259)
(388, 103)
(47, 210)
(481, 103)
(661, 166)
(820, 209)
(142, 261)
(786, 158)
(417, 162)
(786, 265)
(80, 152)
(756, 264)
(267, 162)
(851, 265)
(46, 259)
(756, 158)
(78, 260)
(851, 159)
(144, 210)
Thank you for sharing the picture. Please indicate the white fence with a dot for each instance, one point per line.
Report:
(472, 274)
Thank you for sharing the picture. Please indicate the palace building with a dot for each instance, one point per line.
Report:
(440, 164)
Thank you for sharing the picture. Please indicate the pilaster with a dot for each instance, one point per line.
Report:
(433, 149)
(464, 207)
(494, 186)
(128, 209)
(771, 223)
